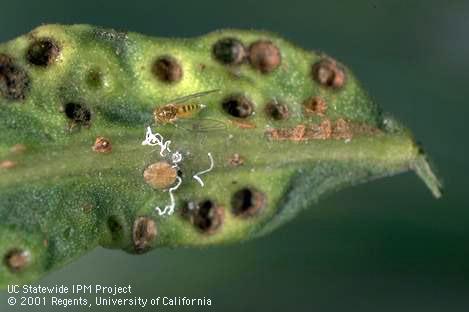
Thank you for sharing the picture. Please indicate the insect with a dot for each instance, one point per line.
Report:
(178, 108)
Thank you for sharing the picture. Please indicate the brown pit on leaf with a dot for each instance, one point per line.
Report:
(315, 105)
(236, 160)
(17, 260)
(14, 81)
(160, 175)
(77, 113)
(7, 164)
(87, 207)
(167, 69)
(43, 52)
(102, 145)
(143, 234)
(247, 202)
(238, 106)
(229, 51)
(277, 110)
(206, 215)
(115, 228)
(328, 73)
(264, 56)
(94, 78)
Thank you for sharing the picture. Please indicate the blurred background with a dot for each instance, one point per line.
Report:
(382, 246)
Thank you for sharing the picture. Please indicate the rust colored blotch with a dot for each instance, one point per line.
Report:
(143, 234)
(276, 110)
(160, 175)
(206, 216)
(340, 129)
(167, 69)
(315, 105)
(43, 52)
(322, 131)
(17, 260)
(247, 202)
(102, 145)
(7, 164)
(236, 160)
(264, 56)
(328, 73)
(229, 51)
(14, 81)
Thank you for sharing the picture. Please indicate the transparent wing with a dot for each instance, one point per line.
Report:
(201, 124)
(190, 96)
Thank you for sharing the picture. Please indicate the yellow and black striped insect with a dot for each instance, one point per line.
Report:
(178, 109)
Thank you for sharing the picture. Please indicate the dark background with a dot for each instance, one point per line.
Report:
(382, 246)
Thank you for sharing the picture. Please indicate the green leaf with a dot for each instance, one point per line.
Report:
(282, 128)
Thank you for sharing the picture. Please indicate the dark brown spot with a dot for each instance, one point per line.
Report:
(247, 202)
(229, 51)
(276, 110)
(115, 228)
(315, 105)
(68, 232)
(143, 234)
(238, 106)
(94, 78)
(236, 160)
(102, 145)
(77, 113)
(43, 52)
(17, 260)
(167, 69)
(264, 56)
(160, 175)
(206, 216)
(87, 207)
(328, 73)
(14, 81)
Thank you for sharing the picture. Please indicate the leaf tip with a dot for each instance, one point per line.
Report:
(426, 171)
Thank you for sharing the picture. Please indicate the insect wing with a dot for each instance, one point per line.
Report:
(190, 97)
(201, 124)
